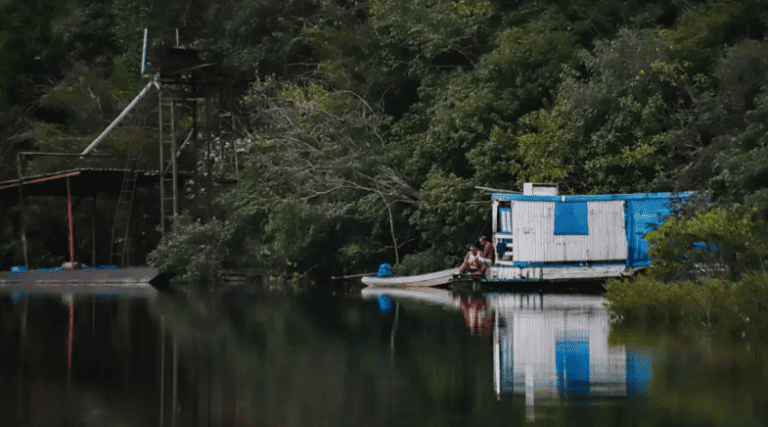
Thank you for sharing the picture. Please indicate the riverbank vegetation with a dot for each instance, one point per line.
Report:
(365, 126)
(721, 282)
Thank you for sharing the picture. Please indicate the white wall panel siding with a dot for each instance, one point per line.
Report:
(578, 272)
(535, 241)
(532, 222)
(607, 239)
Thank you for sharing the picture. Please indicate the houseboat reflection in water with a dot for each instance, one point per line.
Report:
(551, 349)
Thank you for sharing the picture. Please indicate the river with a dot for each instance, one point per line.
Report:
(386, 357)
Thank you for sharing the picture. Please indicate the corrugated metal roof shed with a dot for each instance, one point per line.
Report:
(84, 182)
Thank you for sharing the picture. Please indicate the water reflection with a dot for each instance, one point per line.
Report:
(545, 347)
(48, 365)
(549, 347)
(396, 357)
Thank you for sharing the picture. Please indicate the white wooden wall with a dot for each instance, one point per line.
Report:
(532, 224)
(534, 230)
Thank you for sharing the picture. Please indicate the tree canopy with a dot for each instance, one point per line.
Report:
(365, 126)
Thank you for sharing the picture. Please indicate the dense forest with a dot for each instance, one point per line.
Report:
(368, 125)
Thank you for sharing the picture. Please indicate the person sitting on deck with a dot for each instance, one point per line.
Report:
(487, 255)
(472, 263)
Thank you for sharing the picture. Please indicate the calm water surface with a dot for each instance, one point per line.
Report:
(389, 357)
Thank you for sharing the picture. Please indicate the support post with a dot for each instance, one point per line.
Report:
(234, 148)
(119, 118)
(173, 162)
(220, 133)
(144, 54)
(93, 231)
(71, 234)
(208, 161)
(196, 175)
(160, 166)
(23, 210)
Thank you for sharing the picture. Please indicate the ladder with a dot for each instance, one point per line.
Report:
(122, 224)
(168, 170)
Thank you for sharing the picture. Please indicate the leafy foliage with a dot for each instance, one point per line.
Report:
(730, 305)
(319, 177)
(196, 251)
(737, 235)
(364, 127)
(433, 27)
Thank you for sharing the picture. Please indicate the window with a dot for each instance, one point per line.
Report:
(505, 220)
(571, 218)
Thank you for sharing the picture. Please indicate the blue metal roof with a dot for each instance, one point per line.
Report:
(590, 198)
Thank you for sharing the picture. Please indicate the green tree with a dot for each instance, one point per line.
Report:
(434, 27)
(726, 130)
(317, 178)
(618, 117)
(738, 235)
(29, 50)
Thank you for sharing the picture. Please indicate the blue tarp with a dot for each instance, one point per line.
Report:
(385, 270)
(700, 247)
(101, 267)
(643, 216)
(85, 267)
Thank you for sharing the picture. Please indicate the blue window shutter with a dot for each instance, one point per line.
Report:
(571, 218)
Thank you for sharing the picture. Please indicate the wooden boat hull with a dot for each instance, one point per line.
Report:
(424, 280)
(422, 294)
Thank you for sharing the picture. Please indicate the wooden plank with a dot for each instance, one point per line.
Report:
(528, 224)
(561, 273)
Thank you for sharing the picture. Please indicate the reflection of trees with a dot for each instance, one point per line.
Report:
(34, 350)
(273, 368)
(703, 376)
(258, 360)
(321, 361)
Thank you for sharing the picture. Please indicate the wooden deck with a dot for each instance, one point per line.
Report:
(124, 281)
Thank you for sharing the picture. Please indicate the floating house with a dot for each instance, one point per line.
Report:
(541, 235)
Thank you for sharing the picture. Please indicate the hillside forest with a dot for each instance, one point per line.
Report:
(365, 127)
